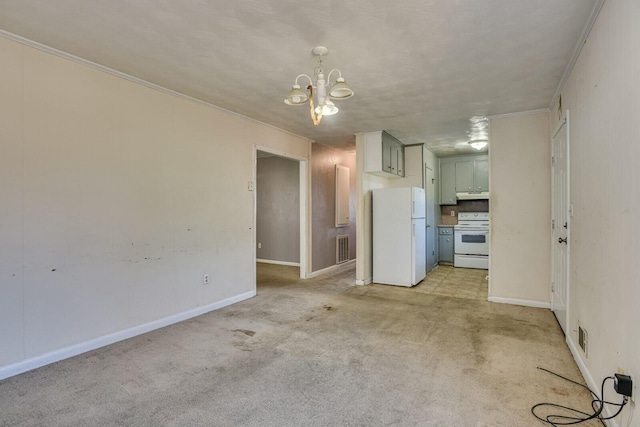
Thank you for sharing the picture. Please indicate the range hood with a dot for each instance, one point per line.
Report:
(473, 196)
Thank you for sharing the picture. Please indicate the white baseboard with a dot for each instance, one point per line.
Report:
(364, 282)
(271, 261)
(577, 356)
(524, 302)
(83, 347)
(332, 269)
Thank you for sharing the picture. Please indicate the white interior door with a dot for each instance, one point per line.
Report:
(560, 223)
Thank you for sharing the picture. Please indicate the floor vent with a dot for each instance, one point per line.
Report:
(582, 339)
(342, 248)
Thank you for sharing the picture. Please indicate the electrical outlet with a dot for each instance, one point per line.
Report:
(623, 384)
(633, 383)
(453, 213)
(259, 245)
(205, 280)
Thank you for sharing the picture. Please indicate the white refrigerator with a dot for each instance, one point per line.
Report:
(399, 236)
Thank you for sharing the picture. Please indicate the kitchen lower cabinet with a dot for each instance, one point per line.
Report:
(445, 245)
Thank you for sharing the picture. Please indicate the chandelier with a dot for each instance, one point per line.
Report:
(324, 92)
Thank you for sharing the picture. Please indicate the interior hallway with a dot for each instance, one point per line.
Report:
(315, 353)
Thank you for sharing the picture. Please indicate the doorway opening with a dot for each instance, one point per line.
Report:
(280, 210)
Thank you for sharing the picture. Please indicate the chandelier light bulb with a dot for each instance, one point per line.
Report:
(296, 96)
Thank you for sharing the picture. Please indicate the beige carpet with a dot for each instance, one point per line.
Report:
(320, 352)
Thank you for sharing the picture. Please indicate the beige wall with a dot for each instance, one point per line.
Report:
(520, 176)
(602, 95)
(115, 200)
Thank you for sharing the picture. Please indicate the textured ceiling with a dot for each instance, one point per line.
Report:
(419, 69)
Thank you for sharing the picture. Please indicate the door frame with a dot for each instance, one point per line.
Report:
(431, 211)
(564, 121)
(305, 251)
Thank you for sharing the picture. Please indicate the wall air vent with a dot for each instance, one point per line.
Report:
(342, 248)
(582, 339)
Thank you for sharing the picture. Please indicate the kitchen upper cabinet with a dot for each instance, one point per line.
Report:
(463, 174)
(383, 155)
(448, 184)
(472, 176)
(397, 158)
(481, 175)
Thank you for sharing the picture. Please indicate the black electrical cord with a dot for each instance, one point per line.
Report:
(597, 404)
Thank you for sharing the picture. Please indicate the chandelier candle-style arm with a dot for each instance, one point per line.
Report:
(315, 117)
(324, 90)
(304, 75)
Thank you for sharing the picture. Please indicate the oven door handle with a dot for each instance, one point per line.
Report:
(473, 233)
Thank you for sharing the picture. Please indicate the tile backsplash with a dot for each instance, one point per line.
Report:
(462, 206)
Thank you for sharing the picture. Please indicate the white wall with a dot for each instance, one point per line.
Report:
(602, 95)
(365, 182)
(520, 180)
(115, 200)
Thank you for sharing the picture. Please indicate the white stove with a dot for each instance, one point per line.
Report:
(471, 240)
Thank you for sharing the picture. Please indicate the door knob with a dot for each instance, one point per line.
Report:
(561, 240)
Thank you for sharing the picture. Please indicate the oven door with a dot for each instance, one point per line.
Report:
(471, 242)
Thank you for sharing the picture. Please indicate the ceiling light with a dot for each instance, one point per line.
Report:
(478, 132)
(322, 105)
(478, 144)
